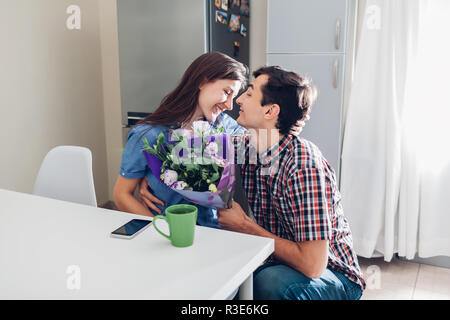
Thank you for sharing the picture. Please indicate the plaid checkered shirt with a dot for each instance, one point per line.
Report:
(292, 192)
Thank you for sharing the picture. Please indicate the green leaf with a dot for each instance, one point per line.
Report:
(146, 144)
(215, 177)
(198, 151)
(152, 152)
(191, 167)
(160, 139)
(203, 145)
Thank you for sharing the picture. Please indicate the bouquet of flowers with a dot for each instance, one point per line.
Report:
(194, 163)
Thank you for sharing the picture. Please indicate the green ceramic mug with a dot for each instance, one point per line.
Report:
(181, 219)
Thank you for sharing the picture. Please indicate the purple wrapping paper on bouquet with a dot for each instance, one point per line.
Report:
(220, 199)
(225, 188)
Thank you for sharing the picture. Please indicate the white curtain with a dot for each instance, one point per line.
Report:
(395, 171)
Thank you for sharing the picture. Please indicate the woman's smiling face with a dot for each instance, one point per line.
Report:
(217, 96)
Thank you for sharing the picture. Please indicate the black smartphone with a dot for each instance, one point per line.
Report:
(131, 229)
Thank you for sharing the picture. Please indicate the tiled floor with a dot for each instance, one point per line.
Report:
(403, 280)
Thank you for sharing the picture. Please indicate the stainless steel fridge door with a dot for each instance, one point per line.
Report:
(158, 39)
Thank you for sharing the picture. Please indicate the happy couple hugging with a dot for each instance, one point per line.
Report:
(291, 188)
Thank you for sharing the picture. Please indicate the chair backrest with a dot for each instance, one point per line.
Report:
(66, 174)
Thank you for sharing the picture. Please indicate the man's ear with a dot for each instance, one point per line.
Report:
(272, 112)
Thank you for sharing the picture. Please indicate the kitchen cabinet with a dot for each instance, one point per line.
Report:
(309, 37)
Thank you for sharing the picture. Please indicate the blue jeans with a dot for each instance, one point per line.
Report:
(275, 281)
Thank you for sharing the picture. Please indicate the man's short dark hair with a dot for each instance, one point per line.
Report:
(293, 93)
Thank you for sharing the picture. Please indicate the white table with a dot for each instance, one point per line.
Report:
(51, 249)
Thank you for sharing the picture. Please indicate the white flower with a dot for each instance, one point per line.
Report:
(201, 128)
(212, 188)
(179, 185)
(176, 134)
(212, 149)
(170, 177)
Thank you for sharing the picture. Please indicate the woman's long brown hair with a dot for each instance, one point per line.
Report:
(180, 104)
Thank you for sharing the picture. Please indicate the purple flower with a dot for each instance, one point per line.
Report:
(179, 185)
(212, 149)
(170, 177)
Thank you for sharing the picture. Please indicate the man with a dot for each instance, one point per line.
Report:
(293, 196)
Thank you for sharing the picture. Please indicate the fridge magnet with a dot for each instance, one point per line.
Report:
(235, 3)
(243, 30)
(236, 45)
(235, 24)
(245, 8)
(225, 5)
(218, 3)
(221, 17)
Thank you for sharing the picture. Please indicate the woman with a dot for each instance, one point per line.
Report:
(206, 89)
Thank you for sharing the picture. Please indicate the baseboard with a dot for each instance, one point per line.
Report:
(438, 261)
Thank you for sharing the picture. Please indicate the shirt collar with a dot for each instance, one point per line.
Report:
(266, 157)
(218, 123)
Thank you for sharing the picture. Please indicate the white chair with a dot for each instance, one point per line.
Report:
(66, 174)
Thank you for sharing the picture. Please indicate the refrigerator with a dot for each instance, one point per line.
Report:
(158, 39)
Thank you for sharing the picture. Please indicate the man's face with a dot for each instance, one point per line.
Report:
(252, 112)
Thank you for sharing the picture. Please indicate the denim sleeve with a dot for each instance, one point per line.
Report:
(231, 126)
(134, 164)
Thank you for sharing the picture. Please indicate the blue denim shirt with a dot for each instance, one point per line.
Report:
(134, 165)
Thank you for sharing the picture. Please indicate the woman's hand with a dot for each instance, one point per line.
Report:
(298, 127)
(148, 198)
(124, 196)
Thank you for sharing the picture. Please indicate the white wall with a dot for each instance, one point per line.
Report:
(258, 34)
(50, 88)
(111, 89)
